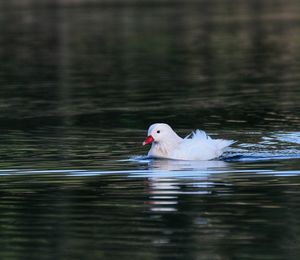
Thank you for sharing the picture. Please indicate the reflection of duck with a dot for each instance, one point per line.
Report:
(167, 144)
(167, 179)
(176, 165)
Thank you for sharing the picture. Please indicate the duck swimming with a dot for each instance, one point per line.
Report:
(165, 143)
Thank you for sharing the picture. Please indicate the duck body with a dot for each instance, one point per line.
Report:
(165, 143)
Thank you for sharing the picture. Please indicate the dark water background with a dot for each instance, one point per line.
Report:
(81, 83)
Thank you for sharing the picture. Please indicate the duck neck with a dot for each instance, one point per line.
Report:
(166, 147)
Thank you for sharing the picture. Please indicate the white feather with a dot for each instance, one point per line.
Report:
(196, 146)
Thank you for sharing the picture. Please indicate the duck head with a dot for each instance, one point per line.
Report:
(159, 133)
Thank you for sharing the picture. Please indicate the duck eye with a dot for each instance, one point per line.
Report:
(158, 131)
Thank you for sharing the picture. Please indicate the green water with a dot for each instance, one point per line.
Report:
(79, 86)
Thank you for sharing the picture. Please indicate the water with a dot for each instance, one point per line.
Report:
(80, 84)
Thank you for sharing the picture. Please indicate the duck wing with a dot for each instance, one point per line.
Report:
(200, 146)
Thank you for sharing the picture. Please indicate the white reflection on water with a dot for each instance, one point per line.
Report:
(291, 137)
(168, 179)
(177, 165)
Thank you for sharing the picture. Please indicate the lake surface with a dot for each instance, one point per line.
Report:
(79, 86)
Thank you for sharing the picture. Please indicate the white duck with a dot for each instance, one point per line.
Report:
(167, 144)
